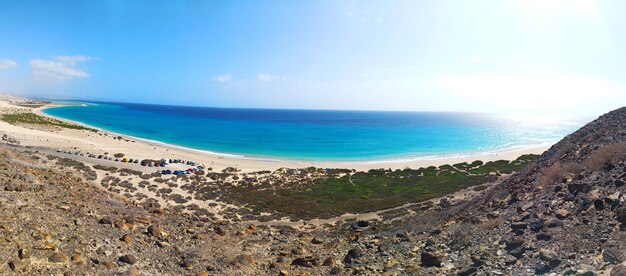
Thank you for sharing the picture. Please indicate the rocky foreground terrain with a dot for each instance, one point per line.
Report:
(565, 214)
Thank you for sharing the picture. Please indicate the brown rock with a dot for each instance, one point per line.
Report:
(77, 258)
(519, 225)
(619, 270)
(620, 215)
(553, 223)
(527, 206)
(127, 238)
(390, 263)
(220, 231)
(106, 220)
(515, 242)
(308, 261)
(23, 254)
(243, 260)
(133, 271)
(549, 257)
(129, 259)
(317, 240)
(155, 231)
(203, 273)
(109, 265)
(329, 261)
(613, 255)
(251, 228)
(283, 273)
(186, 263)
(431, 259)
(119, 223)
(142, 220)
(19, 265)
(562, 213)
(57, 257)
(163, 244)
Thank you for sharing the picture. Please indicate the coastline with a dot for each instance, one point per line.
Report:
(151, 149)
(45, 140)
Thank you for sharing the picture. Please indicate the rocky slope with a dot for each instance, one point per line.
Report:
(565, 213)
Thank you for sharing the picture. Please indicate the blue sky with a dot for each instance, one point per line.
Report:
(563, 56)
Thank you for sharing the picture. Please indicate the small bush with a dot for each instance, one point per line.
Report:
(552, 174)
(611, 153)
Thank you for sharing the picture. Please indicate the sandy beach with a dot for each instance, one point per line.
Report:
(47, 140)
(107, 142)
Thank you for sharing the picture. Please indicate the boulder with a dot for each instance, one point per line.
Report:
(127, 238)
(561, 214)
(57, 257)
(542, 268)
(619, 270)
(543, 237)
(243, 260)
(352, 255)
(554, 222)
(613, 255)
(467, 271)
(537, 225)
(308, 261)
(431, 259)
(155, 231)
(578, 187)
(129, 259)
(518, 225)
(19, 265)
(550, 257)
(514, 243)
(620, 214)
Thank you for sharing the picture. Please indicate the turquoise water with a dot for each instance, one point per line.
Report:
(316, 135)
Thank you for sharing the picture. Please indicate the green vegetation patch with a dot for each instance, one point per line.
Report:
(32, 118)
(342, 191)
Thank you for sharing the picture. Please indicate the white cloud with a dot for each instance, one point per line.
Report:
(350, 13)
(61, 68)
(73, 59)
(268, 77)
(223, 78)
(7, 63)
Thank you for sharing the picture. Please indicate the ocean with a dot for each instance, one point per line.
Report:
(320, 135)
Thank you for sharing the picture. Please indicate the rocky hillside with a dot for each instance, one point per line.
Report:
(565, 213)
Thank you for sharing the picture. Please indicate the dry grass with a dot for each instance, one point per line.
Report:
(556, 172)
(611, 153)
(552, 174)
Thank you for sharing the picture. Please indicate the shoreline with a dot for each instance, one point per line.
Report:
(399, 163)
(106, 141)
(46, 140)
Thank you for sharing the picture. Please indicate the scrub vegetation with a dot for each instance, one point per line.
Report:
(34, 119)
(338, 192)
